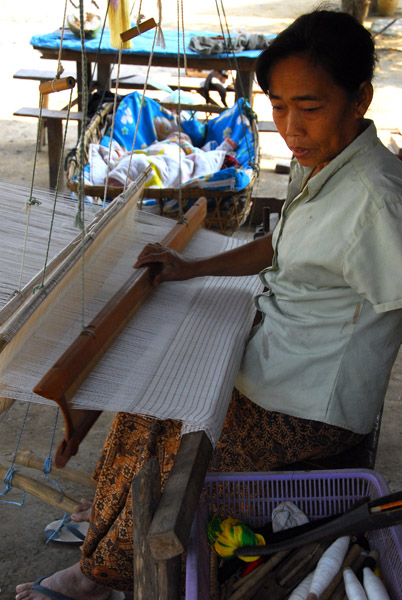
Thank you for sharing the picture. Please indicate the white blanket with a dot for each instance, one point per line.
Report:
(170, 164)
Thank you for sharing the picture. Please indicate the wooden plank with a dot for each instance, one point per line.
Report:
(47, 114)
(170, 528)
(152, 579)
(37, 75)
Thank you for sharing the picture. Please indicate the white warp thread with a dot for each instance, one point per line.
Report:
(178, 357)
(12, 230)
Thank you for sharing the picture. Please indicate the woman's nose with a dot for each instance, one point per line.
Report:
(294, 123)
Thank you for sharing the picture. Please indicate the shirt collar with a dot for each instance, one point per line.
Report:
(365, 141)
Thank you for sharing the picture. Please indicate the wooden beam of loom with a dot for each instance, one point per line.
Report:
(40, 490)
(67, 374)
(27, 458)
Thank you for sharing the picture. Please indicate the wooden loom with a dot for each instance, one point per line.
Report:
(168, 535)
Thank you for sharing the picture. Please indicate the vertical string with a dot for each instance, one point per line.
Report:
(57, 187)
(60, 68)
(141, 106)
(112, 127)
(80, 217)
(46, 469)
(229, 47)
(8, 479)
(184, 37)
(179, 111)
(160, 39)
(97, 52)
(31, 200)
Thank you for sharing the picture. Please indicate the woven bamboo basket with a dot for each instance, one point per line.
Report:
(227, 210)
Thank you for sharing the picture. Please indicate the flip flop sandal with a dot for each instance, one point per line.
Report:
(71, 532)
(37, 587)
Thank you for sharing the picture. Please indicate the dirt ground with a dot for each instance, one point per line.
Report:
(24, 553)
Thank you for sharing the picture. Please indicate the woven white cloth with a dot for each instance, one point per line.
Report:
(177, 358)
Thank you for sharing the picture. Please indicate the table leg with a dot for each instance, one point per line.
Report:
(55, 142)
(104, 72)
(42, 139)
(244, 85)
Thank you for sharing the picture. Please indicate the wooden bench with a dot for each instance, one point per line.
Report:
(54, 120)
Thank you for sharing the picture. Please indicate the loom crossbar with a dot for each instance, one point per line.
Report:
(64, 378)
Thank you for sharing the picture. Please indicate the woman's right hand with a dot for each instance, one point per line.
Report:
(164, 264)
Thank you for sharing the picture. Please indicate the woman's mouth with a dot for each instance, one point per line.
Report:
(300, 153)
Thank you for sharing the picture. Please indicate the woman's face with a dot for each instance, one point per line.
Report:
(316, 118)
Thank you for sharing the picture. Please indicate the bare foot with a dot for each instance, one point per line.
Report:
(82, 512)
(71, 582)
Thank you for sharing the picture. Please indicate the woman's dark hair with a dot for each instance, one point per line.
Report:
(333, 40)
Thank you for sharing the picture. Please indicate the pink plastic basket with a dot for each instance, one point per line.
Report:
(253, 496)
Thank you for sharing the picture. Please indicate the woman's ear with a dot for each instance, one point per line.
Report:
(363, 98)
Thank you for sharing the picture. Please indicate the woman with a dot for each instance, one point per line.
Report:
(315, 370)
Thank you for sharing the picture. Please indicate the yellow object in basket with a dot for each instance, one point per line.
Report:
(228, 534)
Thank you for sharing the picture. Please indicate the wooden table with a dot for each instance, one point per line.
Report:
(105, 56)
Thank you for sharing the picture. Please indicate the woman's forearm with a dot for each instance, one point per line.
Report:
(248, 259)
(167, 265)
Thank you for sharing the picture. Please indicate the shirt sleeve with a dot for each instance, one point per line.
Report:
(373, 264)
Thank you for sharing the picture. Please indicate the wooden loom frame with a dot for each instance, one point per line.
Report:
(171, 523)
(173, 519)
(65, 377)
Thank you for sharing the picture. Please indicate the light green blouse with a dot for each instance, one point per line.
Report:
(332, 312)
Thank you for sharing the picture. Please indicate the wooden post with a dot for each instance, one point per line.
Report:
(153, 580)
(356, 8)
(170, 529)
(244, 85)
